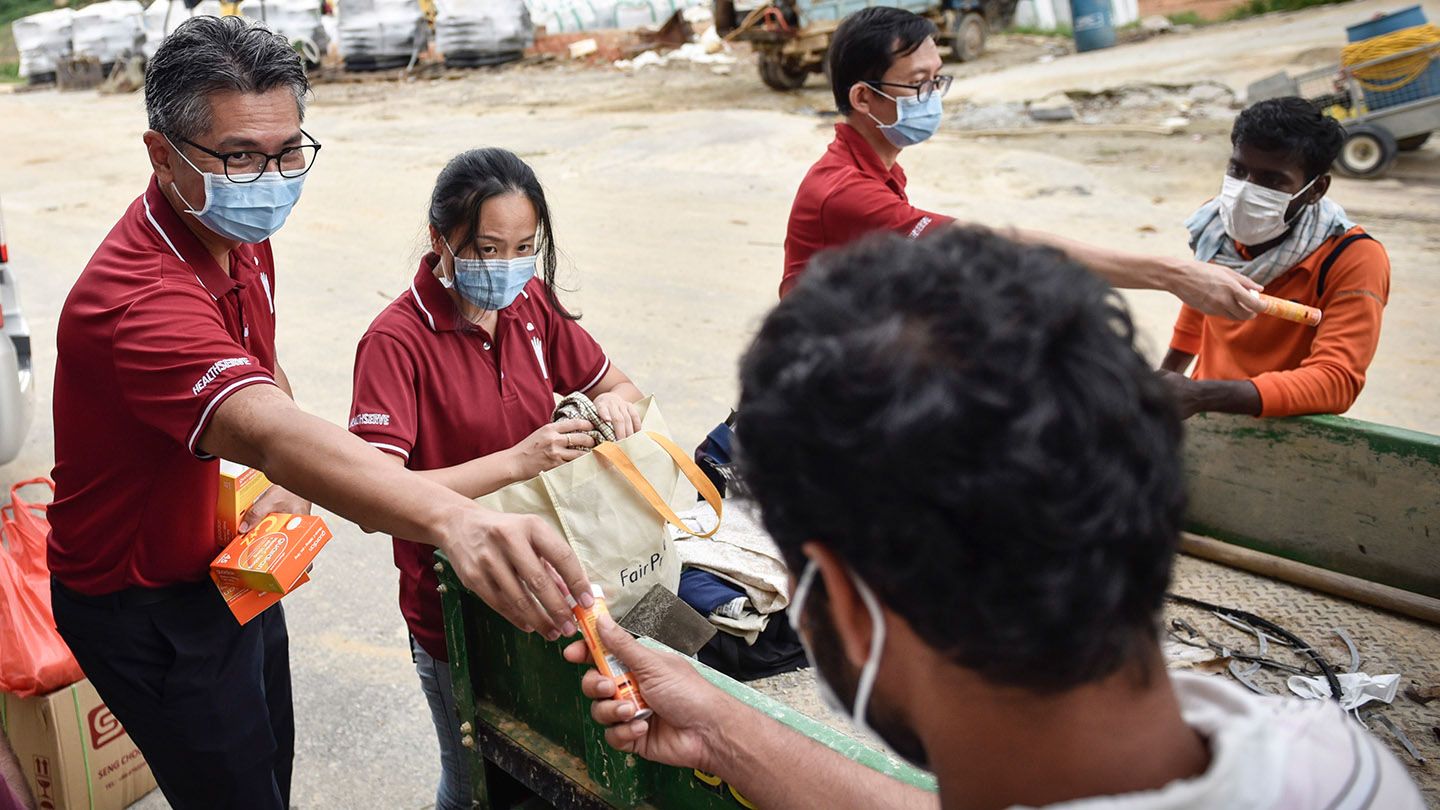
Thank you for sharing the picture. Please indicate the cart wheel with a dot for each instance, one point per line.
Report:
(967, 32)
(779, 76)
(1413, 142)
(1368, 151)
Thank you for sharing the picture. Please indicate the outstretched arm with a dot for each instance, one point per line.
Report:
(505, 559)
(1210, 288)
(695, 725)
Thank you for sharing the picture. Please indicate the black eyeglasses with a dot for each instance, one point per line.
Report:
(246, 167)
(939, 84)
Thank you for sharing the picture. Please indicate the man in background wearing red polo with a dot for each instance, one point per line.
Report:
(166, 361)
(885, 74)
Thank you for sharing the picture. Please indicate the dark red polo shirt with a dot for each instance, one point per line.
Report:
(153, 337)
(845, 195)
(437, 391)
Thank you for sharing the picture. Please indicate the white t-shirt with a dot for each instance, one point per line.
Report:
(1269, 753)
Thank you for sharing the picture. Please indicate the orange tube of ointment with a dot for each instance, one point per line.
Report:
(611, 667)
(1289, 310)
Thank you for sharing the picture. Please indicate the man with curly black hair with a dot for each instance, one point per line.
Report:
(1273, 223)
(977, 477)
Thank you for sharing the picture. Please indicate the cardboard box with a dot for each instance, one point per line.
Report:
(74, 753)
(240, 486)
(273, 556)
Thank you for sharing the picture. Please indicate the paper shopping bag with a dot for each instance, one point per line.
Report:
(613, 505)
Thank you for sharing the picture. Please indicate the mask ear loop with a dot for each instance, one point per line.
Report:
(898, 115)
(1296, 196)
(448, 283)
(871, 670)
(801, 594)
(204, 177)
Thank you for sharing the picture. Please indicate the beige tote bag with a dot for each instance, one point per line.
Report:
(613, 504)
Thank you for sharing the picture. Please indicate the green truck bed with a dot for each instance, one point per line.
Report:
(1350, 496)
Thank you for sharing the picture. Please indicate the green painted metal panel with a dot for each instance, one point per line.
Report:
(524, 708)
(1350, 496)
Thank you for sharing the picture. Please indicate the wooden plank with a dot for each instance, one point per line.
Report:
(1395, 600)
(1349, 496)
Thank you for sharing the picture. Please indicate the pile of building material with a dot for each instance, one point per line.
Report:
(43, 40)
(164, 16)
(469, 33)
(107, 31)
(298, 21)
(568, 16)
(381, 34)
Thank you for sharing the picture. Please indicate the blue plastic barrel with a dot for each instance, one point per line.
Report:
(1091, 21)
(1388, 24)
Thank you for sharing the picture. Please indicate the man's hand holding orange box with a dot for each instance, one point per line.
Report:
(240, 487)
(269, 561)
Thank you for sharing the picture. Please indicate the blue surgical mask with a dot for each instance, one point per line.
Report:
(489, 284)
(915, 120)
(246, 212)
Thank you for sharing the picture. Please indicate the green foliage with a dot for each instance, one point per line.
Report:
(1062, 31)
(1254, 8)
(1186, 18)
(10, 11)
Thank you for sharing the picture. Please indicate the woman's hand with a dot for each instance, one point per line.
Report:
(553, 445)
(622, 414)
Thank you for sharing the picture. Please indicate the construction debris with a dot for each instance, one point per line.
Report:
(1172, 108)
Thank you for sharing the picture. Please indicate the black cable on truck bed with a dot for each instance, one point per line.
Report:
(1265, 624)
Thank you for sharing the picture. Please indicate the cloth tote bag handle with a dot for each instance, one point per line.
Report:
(612, 453)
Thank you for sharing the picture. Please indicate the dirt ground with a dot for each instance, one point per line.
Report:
(671, 189)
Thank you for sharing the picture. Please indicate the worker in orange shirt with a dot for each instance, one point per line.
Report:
(1273, 224)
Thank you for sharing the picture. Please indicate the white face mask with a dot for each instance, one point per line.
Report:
(1253, 215)
(872, 662)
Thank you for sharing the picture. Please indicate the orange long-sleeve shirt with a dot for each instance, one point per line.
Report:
(1296, 368)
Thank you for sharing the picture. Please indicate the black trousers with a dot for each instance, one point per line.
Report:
(206, 700)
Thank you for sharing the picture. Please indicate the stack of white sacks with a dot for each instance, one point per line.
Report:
(379, 33)
(43, 40)
(568, 16)
(164, 16)
(482, 30)
(108, 30)
(296, 20)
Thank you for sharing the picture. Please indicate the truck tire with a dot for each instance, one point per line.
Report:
(778, 76)
(1368, 151)
(967, 31)
(1413, 142)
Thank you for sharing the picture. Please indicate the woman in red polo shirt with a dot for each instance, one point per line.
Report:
(457, 379)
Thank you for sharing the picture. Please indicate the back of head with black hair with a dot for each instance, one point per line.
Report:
(474, 176)
(967, 424)
(866, 44)
(1291, 125)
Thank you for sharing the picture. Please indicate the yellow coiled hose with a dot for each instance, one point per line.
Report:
(1392, 74)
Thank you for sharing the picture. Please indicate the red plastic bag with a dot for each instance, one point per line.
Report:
(25, 526)
(33, 658)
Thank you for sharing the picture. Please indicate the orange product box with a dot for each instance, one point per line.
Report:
(273, 556)
(246, 604)
(240, 486)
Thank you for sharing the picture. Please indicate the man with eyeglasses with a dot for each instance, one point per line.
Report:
(885, 74)
(166, 362)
